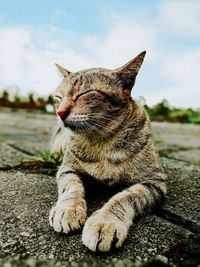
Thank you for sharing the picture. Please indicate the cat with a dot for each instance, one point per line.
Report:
(106, 134)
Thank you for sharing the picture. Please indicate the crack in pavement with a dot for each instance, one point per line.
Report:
(179, 220)
(22, 150)
(23, 167)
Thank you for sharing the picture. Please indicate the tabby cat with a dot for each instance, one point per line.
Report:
(106, 134)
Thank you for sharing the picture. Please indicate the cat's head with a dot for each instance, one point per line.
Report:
(93, 100)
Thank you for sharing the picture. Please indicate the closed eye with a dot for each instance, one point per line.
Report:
(57, 99)
(83, 93)
(112, 99)
(57, 96)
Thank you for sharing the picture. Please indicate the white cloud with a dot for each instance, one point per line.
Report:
(27, 58)
(182, 70)
(124, 38)
(182, 17)
(27, 54)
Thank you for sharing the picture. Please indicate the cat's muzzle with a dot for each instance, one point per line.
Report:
(75, 125)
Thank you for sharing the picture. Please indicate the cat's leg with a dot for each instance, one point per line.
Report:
(70, 211)
(109, 225)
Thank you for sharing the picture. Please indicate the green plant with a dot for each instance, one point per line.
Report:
(196, 120)
(5, 95)
(50, 100)
(17, 99)
(45, 156)
(41, 100)
(161, 109)
(31, 97)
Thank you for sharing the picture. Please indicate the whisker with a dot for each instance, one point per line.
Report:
(99, 131)
(90, 133)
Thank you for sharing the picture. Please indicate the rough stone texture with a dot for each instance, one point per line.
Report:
(183, 190)
(25, 130)
(10, 157)
(175, 135)
(157, 261)
(26, 198)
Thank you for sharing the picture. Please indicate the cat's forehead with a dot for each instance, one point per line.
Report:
(90, 75)
(85, 78)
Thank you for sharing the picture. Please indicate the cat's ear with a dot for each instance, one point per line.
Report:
(126, 75)
(62, 70)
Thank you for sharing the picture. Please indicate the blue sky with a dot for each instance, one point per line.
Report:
(83, 34)
(77, 15)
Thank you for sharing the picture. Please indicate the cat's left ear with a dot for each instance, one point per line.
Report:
(62, 70)
(126, 75)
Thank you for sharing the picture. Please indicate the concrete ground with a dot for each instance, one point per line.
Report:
(27, 192)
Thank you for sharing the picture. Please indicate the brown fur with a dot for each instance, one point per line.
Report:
(106, 134)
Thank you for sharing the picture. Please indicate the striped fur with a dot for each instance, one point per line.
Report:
(105, 134)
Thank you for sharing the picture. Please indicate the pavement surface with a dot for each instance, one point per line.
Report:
(168, 237)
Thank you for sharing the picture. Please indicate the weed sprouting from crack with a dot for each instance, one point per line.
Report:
(45, 155)
(44, 160)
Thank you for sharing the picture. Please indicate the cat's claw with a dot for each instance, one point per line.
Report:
(66, 217)
(101, 232)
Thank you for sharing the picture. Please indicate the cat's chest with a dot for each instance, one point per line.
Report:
(102, 163)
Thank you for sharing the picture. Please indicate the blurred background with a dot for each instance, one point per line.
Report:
(84, 34)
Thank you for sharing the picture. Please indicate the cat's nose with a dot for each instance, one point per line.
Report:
(63, 114)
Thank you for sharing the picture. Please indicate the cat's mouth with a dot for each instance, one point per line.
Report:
(87, 126)
(75, 126)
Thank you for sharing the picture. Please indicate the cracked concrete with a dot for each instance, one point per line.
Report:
(27, 195)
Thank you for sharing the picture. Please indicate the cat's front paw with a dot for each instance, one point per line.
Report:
(103, 230)
(68, 216)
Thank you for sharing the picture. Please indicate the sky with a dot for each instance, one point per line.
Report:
(83, 34)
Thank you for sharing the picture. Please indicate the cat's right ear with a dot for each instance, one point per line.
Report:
(126, 75)
(62, 70)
